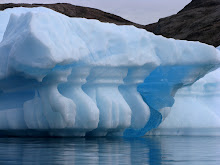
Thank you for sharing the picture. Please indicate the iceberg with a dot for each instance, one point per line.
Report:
(62, 76)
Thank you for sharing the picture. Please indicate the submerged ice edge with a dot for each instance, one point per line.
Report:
(81, 78)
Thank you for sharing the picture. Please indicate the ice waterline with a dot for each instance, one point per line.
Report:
(62, 76)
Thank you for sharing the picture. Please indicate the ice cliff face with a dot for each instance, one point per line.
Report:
(64, 76)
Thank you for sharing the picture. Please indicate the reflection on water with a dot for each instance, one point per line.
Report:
(148, 150)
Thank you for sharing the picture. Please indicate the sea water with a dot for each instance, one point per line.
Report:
(152, 150)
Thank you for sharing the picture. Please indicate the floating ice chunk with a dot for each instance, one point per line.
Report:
(78, 77)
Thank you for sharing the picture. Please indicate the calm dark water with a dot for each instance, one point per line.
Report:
(149, 150)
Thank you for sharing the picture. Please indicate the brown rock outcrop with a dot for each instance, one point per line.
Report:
(198, 21)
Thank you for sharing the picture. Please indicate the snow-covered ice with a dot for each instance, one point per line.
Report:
(64, 76)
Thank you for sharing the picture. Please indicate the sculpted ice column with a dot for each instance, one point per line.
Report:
(58, 110)
(87, 113)
(102, 86)
(140, 110)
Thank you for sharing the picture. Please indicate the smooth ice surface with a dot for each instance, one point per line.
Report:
(196, 109)
(62, 76)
